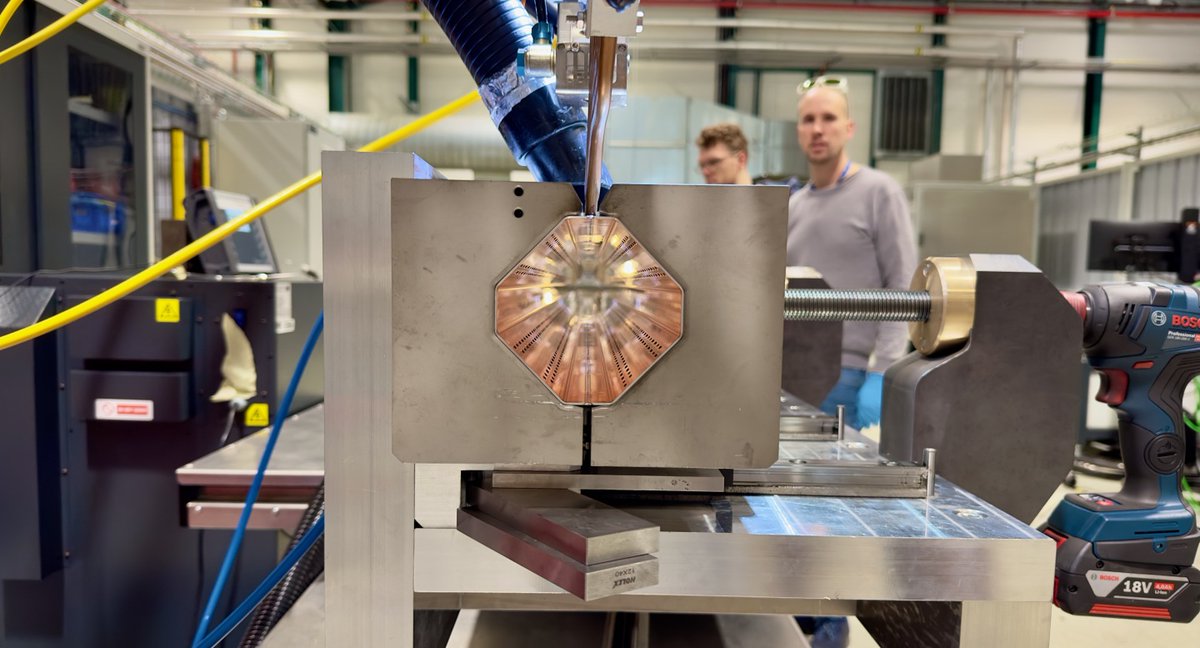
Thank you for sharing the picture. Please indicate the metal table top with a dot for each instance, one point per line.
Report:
(298, 459)
(778, 554)
(768, 553)
(952, 513)
(750, 553)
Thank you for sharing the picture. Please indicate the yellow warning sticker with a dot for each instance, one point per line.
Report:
(258, 415)
(166, 309)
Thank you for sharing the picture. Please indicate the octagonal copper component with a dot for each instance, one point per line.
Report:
(589, 310)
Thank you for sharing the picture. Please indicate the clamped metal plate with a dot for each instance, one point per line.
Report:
(586, 547)
(812, 351)
(1012, 392)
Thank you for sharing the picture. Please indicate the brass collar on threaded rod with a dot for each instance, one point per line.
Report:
(950, 282)
(940, 308)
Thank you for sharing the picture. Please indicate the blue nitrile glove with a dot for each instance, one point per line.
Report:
(870, 400)
(845, 392)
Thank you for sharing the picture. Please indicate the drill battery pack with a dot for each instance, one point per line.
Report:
(1087, 585)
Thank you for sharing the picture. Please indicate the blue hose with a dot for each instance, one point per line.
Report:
(235, 543)
(247, 606)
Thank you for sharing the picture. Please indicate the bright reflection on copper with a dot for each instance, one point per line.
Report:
(589, 310)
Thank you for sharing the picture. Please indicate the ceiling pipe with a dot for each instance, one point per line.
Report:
(919, 29)
(272, 13)
(832, 50)
(1111, 14)
(937, 55)
(335, 38)
(687, 50)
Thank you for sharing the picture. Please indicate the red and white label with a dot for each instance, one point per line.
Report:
(115, 409)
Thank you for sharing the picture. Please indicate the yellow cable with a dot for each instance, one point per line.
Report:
(49, 31)
(201, 244)
(7, 14)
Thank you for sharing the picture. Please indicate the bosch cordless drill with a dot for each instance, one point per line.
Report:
(1130, 554)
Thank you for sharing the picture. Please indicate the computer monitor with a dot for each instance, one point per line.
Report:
(246, 251)
(1134, 246)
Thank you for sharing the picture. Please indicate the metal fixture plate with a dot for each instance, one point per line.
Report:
(936, 402)
(585, 530)
(369, 537)
(799, 421)
(588, 582)
(847, 468)
(812, 351)
(460, 397)
(841, 479)
(648, 480)
(713, 402)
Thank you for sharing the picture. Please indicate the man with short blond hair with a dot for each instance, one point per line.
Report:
(851, 224)
(724, 153)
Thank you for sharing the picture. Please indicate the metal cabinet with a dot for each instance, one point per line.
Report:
(74, 177)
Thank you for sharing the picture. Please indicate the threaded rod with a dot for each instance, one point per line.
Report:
(822, 305)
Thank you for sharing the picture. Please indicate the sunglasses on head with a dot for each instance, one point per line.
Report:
(838, 83)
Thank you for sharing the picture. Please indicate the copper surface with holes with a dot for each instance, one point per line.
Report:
(589, 310)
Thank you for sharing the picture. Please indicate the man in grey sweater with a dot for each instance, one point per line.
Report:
(851, 224)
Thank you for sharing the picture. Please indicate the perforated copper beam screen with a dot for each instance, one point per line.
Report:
(589, 310)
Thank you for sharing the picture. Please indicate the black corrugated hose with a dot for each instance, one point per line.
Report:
(545, 136)
(288, 591)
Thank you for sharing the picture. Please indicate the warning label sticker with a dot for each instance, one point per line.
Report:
(258, 415)
(166, 310)
(115, 409)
